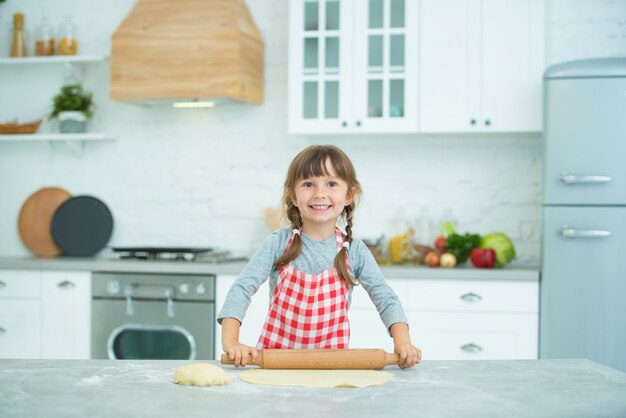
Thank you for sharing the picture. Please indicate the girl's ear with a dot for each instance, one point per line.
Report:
(293, 199)
(350, 197)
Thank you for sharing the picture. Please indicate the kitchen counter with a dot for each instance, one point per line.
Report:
(523, 388)
(513, 272)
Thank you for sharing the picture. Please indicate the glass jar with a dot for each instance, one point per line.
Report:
(18, 40)
(68, 45)
(44, 39)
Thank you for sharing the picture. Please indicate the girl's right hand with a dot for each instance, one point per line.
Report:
(240, 353)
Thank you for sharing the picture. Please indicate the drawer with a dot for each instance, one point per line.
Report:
(474, 336)
(20, 328)
(473, 296)
(20, 283)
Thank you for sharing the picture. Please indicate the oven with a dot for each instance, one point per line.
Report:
(153, 316)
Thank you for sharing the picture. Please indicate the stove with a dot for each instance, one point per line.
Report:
(206, 255)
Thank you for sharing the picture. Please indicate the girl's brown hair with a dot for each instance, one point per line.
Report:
(311, 162)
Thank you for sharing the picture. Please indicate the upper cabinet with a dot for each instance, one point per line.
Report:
(353, 66)
(481, 65)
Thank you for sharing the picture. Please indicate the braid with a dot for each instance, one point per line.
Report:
(340, 260)
(293, 214)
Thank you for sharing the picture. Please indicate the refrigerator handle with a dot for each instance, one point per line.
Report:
(568, 232)
(572, 178)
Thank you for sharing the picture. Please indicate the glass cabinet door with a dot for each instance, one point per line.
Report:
(318, 44)
(386, 66)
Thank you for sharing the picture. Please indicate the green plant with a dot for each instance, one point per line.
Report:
(72, 97)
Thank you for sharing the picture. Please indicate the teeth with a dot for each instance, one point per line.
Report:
(320, 207)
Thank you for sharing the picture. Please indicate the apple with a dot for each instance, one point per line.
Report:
(448, 260)
(440, 244)
(432, 259)
(483, 258)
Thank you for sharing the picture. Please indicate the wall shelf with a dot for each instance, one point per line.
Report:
(57, 59)
(58, 137)
(76, 142)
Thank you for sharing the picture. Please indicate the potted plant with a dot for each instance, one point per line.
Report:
(72, 106)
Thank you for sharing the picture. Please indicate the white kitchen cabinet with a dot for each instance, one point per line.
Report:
(456, 319)
(481, 65)
(353, 66)
(255, 315)
(66, 309)
(44, 314)
(366, 328)
(20, 314)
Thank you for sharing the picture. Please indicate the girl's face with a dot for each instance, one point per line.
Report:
(321, 200)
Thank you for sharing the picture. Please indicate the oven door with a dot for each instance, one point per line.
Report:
(152, 330)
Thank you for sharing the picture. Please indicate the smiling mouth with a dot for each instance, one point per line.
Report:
(320, 207)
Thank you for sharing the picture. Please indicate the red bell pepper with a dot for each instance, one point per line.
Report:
(483, 258)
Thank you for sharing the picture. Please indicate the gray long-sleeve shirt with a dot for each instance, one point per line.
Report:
(315, 257)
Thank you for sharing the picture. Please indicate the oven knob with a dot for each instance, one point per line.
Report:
(183, 288)
(201, 289)
(113, 287)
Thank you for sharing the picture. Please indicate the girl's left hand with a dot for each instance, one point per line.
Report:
(409, 354)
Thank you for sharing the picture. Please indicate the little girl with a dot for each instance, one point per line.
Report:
(313, 267)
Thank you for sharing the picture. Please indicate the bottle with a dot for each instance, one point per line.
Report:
(425, 229)
(44, 39)
(68, 45)
(18, 41)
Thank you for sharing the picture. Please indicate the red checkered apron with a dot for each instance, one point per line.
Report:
(308, 310)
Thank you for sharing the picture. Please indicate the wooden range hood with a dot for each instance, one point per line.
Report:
(183, 50)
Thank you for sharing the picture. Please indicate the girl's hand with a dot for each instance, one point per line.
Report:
(240, 354)
(409, 354)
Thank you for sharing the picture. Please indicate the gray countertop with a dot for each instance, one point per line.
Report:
(520, 388)
(513, 272)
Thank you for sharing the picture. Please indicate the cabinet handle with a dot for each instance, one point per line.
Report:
(471, 297)
(344, 123)
(487, 122)
(573, 179)
(358, 123)
(66, 284)
(2, 331)
(583, 233)
(2, 284)
(472, 121)
(471, 348)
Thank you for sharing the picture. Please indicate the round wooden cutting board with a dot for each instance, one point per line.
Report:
(35, 218)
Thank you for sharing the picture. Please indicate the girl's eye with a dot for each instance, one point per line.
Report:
(307, 184)
(333, 184)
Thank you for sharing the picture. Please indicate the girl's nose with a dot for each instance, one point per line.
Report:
(319, 192)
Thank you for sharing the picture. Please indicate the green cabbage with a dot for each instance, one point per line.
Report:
(502, 245)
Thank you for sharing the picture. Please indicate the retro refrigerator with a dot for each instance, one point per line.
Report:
(583, 282)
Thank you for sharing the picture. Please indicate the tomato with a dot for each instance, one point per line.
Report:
(440, 244)
(484, 258)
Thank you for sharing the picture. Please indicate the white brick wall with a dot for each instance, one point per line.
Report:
(202, 177)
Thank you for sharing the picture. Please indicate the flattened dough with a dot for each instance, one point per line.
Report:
(316, 378)
(201, 374)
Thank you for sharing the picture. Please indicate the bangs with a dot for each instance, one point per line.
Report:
(316, 164)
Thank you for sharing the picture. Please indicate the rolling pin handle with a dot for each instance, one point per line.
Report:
(258, 362)
(391, 358)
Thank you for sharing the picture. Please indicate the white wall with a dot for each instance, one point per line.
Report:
(202, 177)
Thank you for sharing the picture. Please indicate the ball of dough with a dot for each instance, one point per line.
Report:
(201, 375)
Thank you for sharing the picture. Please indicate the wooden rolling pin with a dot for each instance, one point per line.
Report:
(320, 359)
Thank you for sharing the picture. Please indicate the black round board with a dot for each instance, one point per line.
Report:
(81, 226)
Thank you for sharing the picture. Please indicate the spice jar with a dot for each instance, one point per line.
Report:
(18, 41)
(68, 45)
(44, 39)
